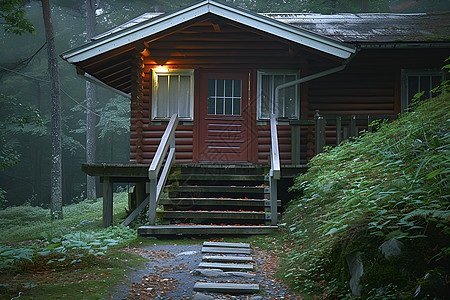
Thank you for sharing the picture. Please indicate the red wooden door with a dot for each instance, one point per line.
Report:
(224, 116)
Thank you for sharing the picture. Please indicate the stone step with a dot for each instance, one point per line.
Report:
(149, 230)
(222, 266)
(220, 258)
(227, 288)
(232, 202)
(228, 245)
(223, 250)
(229, 215)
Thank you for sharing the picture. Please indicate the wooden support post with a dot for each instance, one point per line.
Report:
(353, 128)
(153, 200)
(107, 202)
(320, 133)
(338, 130)
(140, 193)
(295, 144)
(273, 200)
(369, 121)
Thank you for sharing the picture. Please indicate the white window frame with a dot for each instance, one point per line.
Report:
(259, 94)
(412, 72)
(155, 101)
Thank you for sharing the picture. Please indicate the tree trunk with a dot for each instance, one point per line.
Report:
(91, 103)
(56, 158)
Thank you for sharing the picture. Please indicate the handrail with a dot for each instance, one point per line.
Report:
(275, 169)
(156, 186)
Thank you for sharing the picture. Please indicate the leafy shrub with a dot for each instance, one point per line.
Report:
(389, 184)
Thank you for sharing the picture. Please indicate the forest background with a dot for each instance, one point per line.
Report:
(24, 83)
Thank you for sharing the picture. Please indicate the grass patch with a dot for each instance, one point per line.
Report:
(22, 223)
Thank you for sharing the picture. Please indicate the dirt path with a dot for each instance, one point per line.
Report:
(169, 274)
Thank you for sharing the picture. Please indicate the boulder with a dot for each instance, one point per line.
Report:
(356, 269)
(391, 247)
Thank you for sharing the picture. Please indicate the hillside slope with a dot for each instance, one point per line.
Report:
(373, 216)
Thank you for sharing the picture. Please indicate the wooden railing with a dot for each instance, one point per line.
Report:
(157, 185)
(346, 126)
(275, 169)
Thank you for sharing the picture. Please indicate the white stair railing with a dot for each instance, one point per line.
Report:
(157, 184)
(275, 170)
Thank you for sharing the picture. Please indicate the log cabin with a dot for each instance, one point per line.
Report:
(228, 105)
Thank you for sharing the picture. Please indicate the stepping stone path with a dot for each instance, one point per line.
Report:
(224, 257)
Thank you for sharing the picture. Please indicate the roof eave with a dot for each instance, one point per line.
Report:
(165, 21)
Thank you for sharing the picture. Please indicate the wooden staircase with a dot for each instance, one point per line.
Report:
(213, 199)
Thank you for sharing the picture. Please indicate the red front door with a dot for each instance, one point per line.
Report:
(223, 116)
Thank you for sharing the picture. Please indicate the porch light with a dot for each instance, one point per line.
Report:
(161, 68)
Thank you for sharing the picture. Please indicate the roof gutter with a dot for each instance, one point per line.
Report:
(310, 77)
(94, 80)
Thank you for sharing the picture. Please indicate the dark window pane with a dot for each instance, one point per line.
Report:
(435, 81)
(237, 107)
(211, 106)
(219, 91)
(237, 88)
(413, 86)
(228, 106)
(219, 105)
(425, 85)
(228, 88)
(211, 87)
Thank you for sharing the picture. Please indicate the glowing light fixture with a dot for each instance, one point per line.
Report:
(161, 68)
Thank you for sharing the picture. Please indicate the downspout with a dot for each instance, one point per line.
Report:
(310, 77)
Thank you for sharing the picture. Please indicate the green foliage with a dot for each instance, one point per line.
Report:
(389, 184)
(68, 241)
(14, 114)
(13, 16)
(70, 248)
(22, 223)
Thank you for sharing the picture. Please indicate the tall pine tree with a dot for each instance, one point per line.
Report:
(56, 132)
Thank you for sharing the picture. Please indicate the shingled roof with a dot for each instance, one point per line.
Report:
(354, 28)
(373, 27)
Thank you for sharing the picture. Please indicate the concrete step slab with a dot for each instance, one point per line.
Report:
(229, 266)
(228, 288)
(228, 245)
(223, 250)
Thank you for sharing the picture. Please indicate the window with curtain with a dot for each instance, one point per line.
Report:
(288, 104)
(173, 92)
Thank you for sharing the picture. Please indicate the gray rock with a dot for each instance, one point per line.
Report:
(210, 273)
(187, 253)
(200, 296)
(241, 274)
(356, 268)
(391, 247)
(256, 298)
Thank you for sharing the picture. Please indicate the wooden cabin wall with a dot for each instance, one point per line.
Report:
(264, 141)
(371, 82)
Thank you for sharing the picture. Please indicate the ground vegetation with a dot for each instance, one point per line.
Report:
(391, 185)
